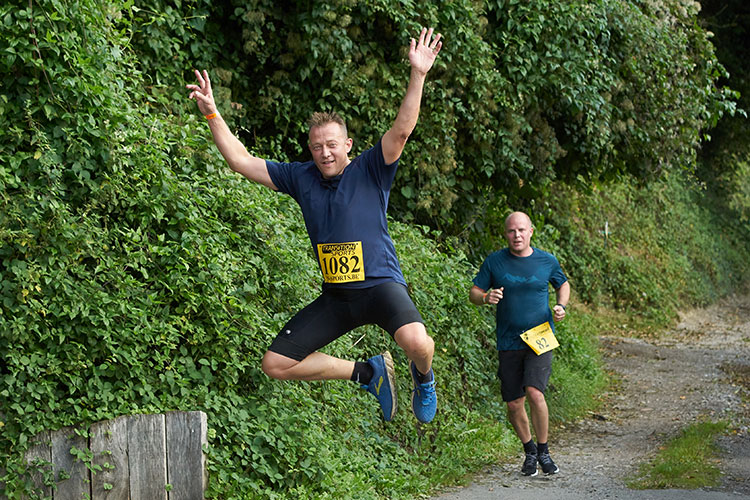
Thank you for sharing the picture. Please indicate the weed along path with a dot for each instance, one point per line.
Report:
(699, 371)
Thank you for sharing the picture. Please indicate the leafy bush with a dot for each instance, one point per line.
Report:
(138, 275)
(668, 245)
(524, 93)
(725, 156)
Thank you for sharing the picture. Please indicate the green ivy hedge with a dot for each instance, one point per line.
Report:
(139, 275)
(523, 95)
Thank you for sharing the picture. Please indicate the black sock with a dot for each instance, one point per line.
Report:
(542, 448)
(530, 447)
(362, 373)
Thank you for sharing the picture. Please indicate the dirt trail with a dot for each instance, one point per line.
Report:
(701, 369)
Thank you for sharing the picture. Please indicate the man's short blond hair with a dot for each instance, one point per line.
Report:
(321, 118)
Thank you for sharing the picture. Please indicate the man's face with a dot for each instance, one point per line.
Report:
(330, 149)
(518, 232)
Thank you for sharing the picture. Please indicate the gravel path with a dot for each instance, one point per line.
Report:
(701, 369)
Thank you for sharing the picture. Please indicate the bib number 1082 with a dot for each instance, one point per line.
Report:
(341, 262)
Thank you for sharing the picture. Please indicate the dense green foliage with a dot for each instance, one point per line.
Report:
(137, 274)
(524, 94)
(667, 245)
(725, 160)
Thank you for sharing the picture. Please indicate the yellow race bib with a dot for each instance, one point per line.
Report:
(540, 338)
(341, 262)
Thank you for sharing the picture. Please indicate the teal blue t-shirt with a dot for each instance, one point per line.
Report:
(525, 282)
(345, 217)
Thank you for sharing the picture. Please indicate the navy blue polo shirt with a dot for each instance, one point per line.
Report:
(525, 282)
(345, 217)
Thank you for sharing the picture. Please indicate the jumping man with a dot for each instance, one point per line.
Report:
(344, 203)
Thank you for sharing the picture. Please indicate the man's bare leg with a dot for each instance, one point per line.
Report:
(316, 366)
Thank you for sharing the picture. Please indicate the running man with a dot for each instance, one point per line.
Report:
(517, 279)
(344, 205)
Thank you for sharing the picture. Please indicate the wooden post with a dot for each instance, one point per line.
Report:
(148, 457)
(109, 444)
(186, 435)
(140, 457)
(71, 475)
(40, 450)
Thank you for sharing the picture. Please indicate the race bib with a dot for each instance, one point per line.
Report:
(341, 262)
(540, 338)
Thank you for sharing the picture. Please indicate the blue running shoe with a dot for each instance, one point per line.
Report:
(383, 384)
(423, 397)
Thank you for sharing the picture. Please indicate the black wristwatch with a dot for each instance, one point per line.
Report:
(561, 306)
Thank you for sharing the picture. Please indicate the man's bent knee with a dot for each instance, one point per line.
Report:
(413, 338)
(276, 365)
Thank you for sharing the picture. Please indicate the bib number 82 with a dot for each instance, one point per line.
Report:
(542, 343)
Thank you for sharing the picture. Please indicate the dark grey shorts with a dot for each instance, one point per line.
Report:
(518, 369)
(337, 311)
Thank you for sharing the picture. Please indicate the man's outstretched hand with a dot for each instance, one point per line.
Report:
(422, 53)
(202, 93)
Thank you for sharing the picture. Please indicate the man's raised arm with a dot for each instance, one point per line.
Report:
(422, 55)
(233, 151)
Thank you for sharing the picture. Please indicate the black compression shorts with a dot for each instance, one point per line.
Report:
(337, 311)
(518, 369)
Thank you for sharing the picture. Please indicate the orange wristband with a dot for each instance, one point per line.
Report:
(211, 116)
(484, 298)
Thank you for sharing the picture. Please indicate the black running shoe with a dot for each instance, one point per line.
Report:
(548, 466)
(529, 465)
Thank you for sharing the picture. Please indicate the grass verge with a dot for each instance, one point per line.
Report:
(685, 462)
